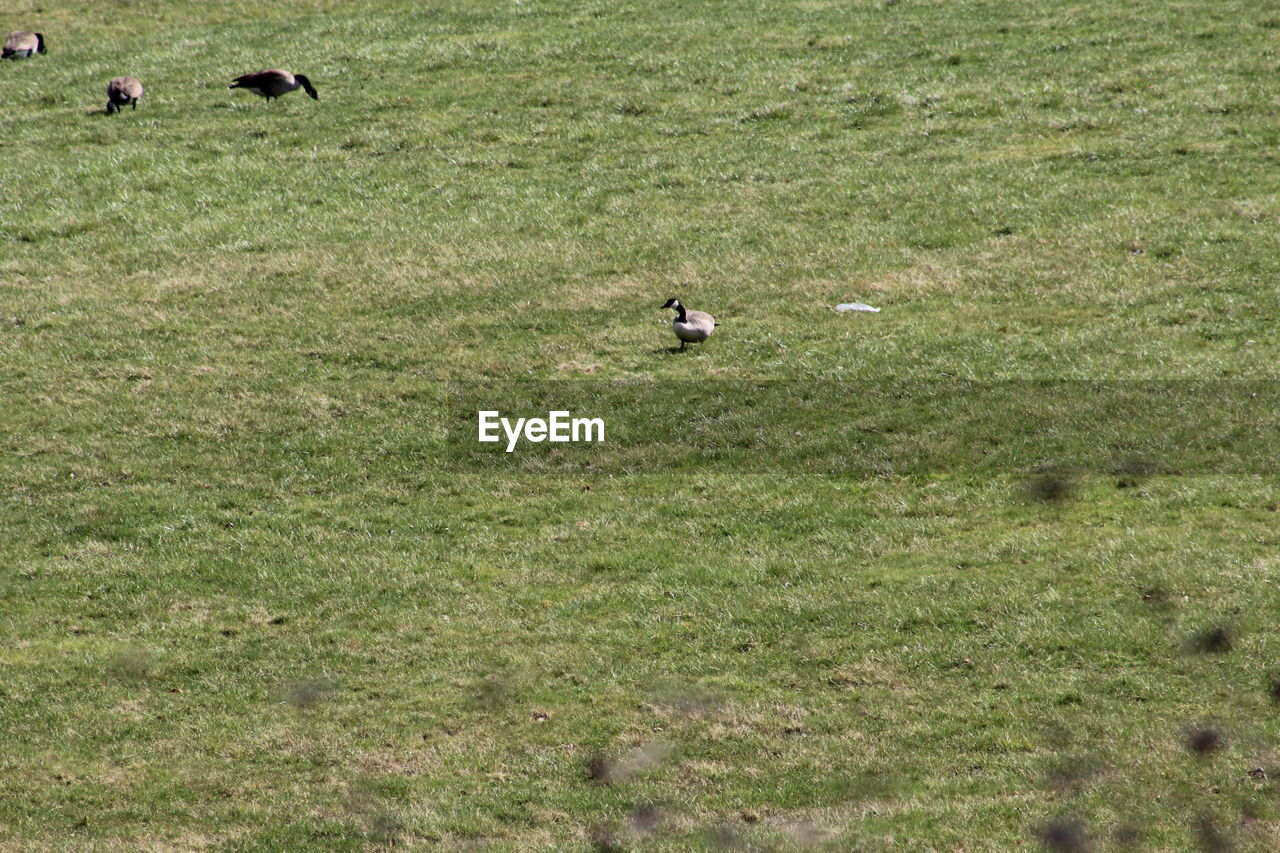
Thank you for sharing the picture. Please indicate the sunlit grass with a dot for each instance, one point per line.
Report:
(256, 598)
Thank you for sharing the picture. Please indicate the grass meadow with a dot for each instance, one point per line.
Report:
(829, 583)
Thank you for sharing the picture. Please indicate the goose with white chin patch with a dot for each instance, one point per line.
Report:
(691, 327)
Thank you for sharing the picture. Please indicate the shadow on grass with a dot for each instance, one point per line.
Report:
(672, 350)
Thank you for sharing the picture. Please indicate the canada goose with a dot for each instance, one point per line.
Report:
(691, 327)
(21, 44)
(121, 91)
(273, 83)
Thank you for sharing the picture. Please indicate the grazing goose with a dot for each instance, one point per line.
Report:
(691, 327)
(273, 83)
(122, 91)
(21, 44)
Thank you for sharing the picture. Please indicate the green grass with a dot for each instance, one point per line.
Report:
(261, 593)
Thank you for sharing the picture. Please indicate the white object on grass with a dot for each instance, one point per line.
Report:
(856, 306)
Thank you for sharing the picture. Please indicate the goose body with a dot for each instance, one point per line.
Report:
(122, 91)
(273, 83)
(691, 327)
(22, 44)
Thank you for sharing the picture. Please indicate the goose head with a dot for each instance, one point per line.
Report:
(306, 85)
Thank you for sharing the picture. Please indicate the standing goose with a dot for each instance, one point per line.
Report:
(691, 327)
(273, 83)
(21, 44)
(122, 91)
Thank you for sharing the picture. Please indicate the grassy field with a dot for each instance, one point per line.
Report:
(834, 581)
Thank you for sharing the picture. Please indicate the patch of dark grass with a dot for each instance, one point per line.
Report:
(646, 819)
(132, 665)
(1203, 741)
(1049, 487)
(1212, 640)
(1064, 835)
(599, 769)
(494, 691)
(604, 838)
(1128, 835)
(1210, 837)
(307, 693)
